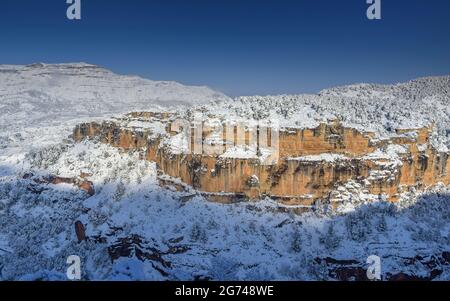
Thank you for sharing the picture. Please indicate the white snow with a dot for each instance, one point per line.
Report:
(367, 107)
(177, 144)
(326, 157)
(41, 95)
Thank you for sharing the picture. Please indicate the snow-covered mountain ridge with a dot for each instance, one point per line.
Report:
(419, 88)
(42, 92)
(377, 108)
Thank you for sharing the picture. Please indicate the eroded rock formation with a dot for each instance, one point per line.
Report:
(80, 231)
(310, 163)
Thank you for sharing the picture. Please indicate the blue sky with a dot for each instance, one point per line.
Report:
(240, 47)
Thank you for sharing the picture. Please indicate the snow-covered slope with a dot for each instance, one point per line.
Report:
(413, 90)
(40, 93)
(377, 108)
(140, 231)
(52, 99)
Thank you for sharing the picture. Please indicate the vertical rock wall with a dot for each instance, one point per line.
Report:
(295, 178)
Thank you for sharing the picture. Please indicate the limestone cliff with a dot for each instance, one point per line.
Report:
(309, 165)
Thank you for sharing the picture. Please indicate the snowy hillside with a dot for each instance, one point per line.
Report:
(377, 108)
(140, 231)
(413, 90)
(40, 93)
(51, 99)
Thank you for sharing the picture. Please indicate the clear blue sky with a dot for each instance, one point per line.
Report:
(240, 47)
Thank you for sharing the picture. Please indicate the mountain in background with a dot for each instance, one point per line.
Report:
(369, 107)
(37, 94)
(41, 92)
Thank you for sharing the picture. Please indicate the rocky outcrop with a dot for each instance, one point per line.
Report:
(80, 231)
(353, 270)
(81, 182)
(136, 246)
(311, 162)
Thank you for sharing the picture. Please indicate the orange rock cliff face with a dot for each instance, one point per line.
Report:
(310, 165)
